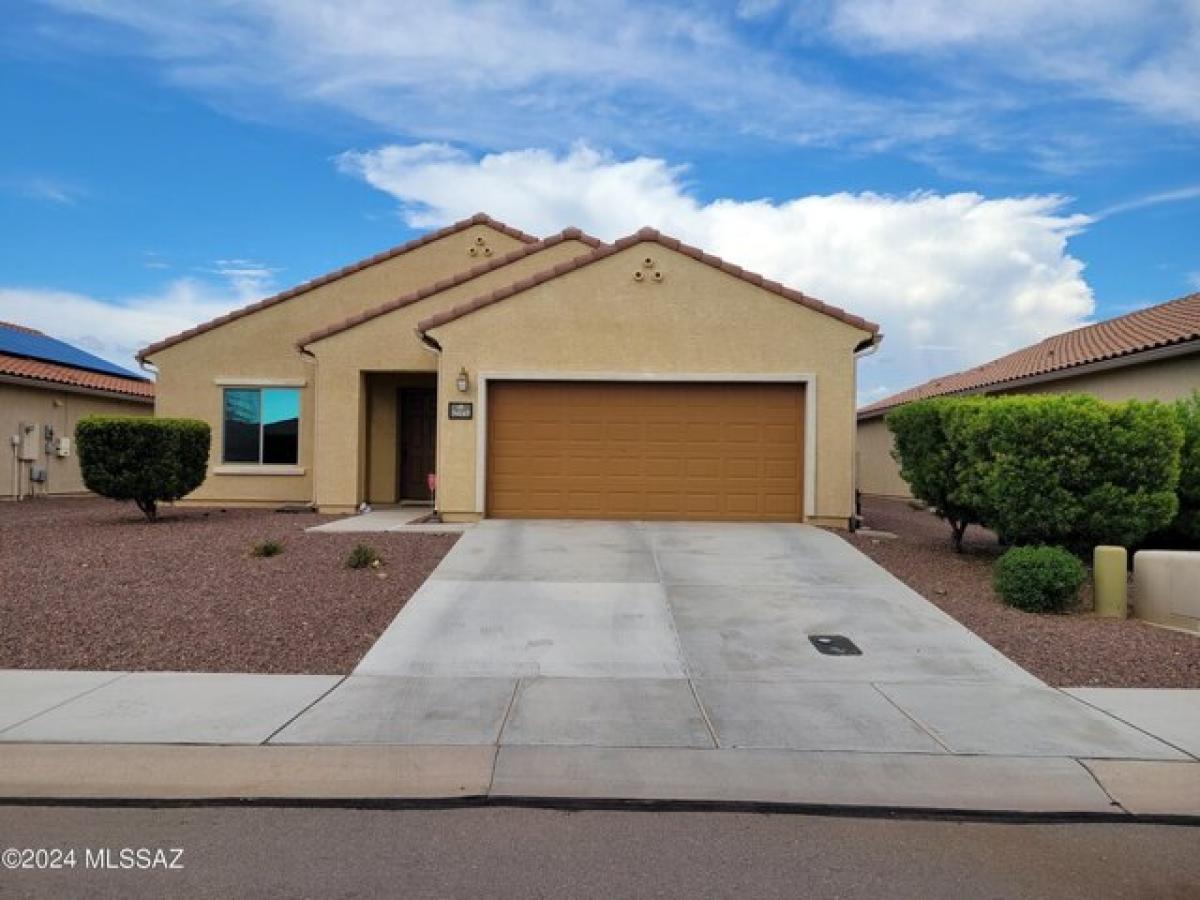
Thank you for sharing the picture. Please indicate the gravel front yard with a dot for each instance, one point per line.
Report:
(1070, 650)
(89, 584)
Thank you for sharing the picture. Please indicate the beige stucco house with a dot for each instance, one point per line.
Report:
(560, 377)
(1151, 354)
(46, 387)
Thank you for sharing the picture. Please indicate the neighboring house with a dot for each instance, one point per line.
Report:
(1151, 354)
(560, 377)
(46, 386)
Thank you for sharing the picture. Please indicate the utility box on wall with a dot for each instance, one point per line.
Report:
(27, 446)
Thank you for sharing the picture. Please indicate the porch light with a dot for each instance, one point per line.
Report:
(463, 382)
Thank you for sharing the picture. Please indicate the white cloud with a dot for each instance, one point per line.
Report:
(668, 75)
(56, 191)
(116, 328)
(496, 74)
(954, 279)
(755, 9)
(1178, 195)
(1145, 55)
(248, 279)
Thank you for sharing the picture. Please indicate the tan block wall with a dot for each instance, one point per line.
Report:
(61, 410)
(1164, 379)
(697, 321)
(878, 473)
(262, 346)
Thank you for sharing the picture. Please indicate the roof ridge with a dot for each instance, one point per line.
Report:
(437, 287)
(642, 235)
(479, 218)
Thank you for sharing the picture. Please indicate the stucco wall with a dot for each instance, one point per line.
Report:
(61, 410)
(1164, 379)
(388, 343)
(697, 321)
(878, 473)
(261, 347)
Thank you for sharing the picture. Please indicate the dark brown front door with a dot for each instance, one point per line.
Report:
(418, 431)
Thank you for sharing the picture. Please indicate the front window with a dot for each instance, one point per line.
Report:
(262, 425)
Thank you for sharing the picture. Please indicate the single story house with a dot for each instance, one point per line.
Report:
(46, 386)
(554, 377)
(1151, 354)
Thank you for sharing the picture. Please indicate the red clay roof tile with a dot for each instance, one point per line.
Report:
(477, 219)
(37, 370)
(644, 235)
(568, 234)
(1167, 324)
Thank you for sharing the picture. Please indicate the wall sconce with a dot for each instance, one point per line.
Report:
(463, 382)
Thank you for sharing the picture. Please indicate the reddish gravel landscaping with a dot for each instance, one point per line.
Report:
(89, 584)
(1069, 650)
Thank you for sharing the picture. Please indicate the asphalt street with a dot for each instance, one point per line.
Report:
(510, 852)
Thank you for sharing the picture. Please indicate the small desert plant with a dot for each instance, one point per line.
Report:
(363, 557)
(269, 547)
(1039, 579)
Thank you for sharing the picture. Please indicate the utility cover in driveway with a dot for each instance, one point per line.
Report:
(834, 645)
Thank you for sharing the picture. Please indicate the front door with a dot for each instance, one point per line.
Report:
(418, 435)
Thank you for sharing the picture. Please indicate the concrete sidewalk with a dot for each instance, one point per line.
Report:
(78, 735)
(390, 518)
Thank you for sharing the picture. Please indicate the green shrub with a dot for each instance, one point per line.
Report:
(143, 459)
(269, 547)
(931, 463)
(363, 557)
(1186, 526)
(1070, 470)
(1039, 579)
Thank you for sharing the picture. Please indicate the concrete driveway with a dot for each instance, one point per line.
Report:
(681, 635)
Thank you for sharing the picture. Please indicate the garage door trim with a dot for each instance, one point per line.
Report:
(808, 379)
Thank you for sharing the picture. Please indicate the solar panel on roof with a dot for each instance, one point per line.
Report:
(38, 346)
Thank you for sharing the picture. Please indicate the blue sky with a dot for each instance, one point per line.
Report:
(972, 175)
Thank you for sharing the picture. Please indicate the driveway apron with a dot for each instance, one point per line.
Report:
(693, 635)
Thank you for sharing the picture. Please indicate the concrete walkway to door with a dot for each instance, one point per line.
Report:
(682, 635)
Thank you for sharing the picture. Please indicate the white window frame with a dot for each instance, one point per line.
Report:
(261, 468)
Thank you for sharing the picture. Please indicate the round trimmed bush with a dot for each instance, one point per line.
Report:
(142, 458)
(1039, 579)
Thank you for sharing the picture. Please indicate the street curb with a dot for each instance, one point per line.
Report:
(573, 804)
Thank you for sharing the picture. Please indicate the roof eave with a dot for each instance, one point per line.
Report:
(1119, 361)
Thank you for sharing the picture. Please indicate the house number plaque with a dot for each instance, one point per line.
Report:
(460, 410)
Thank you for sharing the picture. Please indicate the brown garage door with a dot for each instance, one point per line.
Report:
(612, 450)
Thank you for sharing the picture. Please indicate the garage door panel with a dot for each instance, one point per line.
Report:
(635, 450)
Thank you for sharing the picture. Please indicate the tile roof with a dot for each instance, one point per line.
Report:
(1165, 325)
(568, 234)
(653, 236)
(40, 370)
(477, 219)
